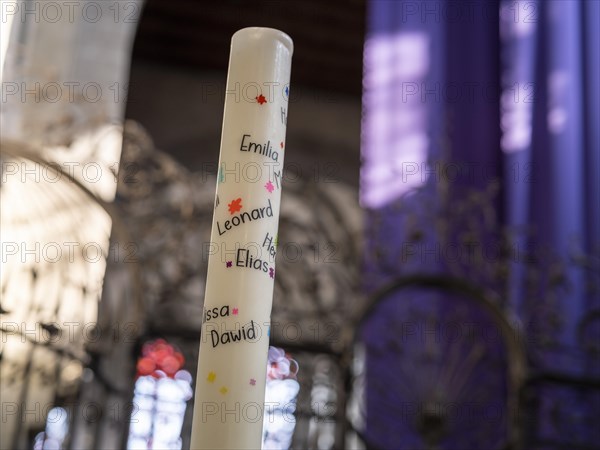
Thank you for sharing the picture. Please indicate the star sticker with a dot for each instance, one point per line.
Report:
(223, 390)
(269, 186)
(221, 175)
(211, 377)
(261, 99)
(229, 264)
(235, 311)
(276, 239)
(272, 272)
(269, 332)
(287, 91)
(281, 144)
(235, 205)
(252, 381)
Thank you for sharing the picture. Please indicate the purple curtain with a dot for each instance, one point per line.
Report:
(463, 97)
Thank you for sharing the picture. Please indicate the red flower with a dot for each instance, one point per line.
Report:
(159, 359)
(145, 366)
(170, 365)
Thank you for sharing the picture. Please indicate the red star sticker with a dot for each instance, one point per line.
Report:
(261, 99)
(235, 205)
(235, 311)
(281, 144)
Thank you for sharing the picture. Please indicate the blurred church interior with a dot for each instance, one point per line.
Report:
(438, 275)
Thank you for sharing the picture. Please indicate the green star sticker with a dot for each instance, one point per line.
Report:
(221, 175)
(276, 239)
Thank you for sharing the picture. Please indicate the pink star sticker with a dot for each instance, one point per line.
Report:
(270, 186)
(235, 311)
(229, 264)
(252, 381)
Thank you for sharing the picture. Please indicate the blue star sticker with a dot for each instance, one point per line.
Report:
(287, 91)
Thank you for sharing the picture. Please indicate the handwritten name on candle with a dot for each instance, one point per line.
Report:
(270, 245)
(224, 336)
(245, 333)
(255, 214)
(246, 259)
(262, 149)
(217, 312)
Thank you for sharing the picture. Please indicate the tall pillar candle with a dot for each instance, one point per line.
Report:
(230, 385)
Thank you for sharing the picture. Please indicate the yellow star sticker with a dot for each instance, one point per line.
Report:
(211, 377)
(223, 390)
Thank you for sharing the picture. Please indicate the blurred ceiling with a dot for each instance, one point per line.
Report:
(328, 36)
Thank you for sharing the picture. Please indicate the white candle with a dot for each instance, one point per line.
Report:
(230, 385)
